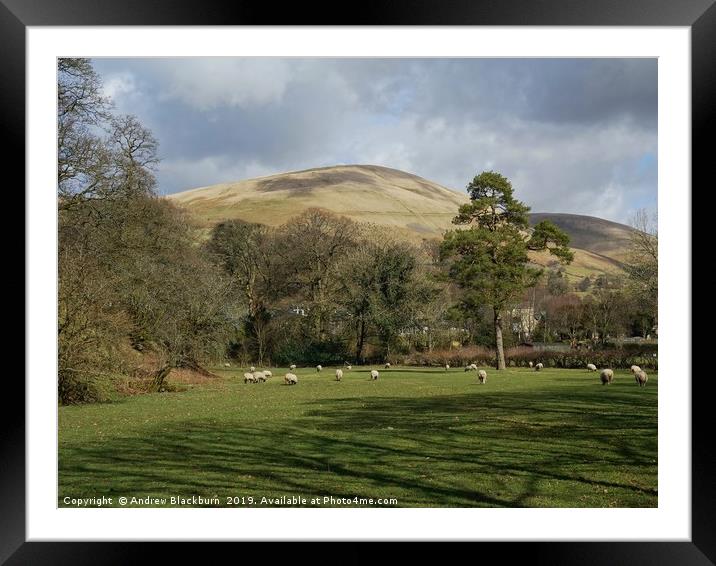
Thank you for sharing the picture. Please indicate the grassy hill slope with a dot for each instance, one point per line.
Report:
(415, 207)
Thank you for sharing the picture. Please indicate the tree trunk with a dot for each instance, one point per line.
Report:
(361, 339)
(159, 377)
(498, 340)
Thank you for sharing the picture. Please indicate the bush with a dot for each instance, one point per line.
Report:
(75, 387)
(310, 353)
(458, 357)
(613, 358)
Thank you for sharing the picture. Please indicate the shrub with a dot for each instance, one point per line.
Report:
(75, 387)
(613, 358)
(456, 357)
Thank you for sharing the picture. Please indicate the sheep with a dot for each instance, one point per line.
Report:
(290, 379)
(292, 366)
(447, 367)
(268, 373)
(387, 365)
(641, 377)
(249, 378)
(349, 368)
(530, 364)
(607, 376)
(319, 367)
(374, 374)
(539, 366)
(482, 376)
(259, 376)
(471, 367)
(339, 374)
(591, 367)
(252, 369)
(635, 369)
(227, 365)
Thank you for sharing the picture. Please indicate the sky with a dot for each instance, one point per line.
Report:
(572, 135)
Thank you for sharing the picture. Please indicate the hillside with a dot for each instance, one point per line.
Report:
(415, 207)
(364, 193)
(599, 236)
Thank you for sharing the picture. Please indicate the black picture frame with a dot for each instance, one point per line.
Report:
(699, 15)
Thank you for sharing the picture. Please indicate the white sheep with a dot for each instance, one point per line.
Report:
(482, 376)
(374, 374)
(292, 366)
(227, 365)
(259, 376)
(249, 378)
(607, 376)
(319, 368)
(268, 373)
(387, 365)
(290, 379)
(530, 364)
(641, 377)
(447, 367)
(635, 369)
(339, 374)
(349, 368)
(591, 367)
(252, 369)
(539, 366)
(472, 366)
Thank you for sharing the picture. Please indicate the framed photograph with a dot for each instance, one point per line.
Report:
(396, 278)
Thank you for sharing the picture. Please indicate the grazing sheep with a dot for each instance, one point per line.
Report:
(482, 376)
(252, 369)
(268, 373)
(591, 367)
(349, 368)
(607, 376)
(539, 367)
(387, 365)
(374, 374)
(319, 368)
(471, 367)
(260, 376)
(249, 378)
(290, 379)
(227, 365)
(635, 369)
(292, 366)
(641, 377)
(447, 367)
(530, 364)
(339, 374)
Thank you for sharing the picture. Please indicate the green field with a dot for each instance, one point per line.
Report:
(425, 437)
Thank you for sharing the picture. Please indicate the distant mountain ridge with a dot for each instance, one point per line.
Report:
(415, 207)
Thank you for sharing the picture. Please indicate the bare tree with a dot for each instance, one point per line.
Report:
(642, 265)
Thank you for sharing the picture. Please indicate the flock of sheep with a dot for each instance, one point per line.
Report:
(606, 375)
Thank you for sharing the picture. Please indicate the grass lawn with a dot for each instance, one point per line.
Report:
(426, 437)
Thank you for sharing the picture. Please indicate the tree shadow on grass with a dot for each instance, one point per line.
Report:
(595, 448)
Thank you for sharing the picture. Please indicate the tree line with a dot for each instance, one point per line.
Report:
(138, 281)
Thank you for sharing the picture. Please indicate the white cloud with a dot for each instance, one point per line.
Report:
(206, 84)
(119, 85)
